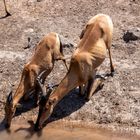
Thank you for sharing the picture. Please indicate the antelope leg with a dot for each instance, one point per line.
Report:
(7, 13)
(65, 64)
(111, 63)
(93, 85)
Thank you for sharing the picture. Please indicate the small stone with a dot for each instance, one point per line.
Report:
(129, 36)
(124, 89)
(116, 103)
(132, 88)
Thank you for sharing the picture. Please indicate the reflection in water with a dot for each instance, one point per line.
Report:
(62, 130)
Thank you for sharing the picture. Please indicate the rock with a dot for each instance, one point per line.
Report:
(132, 88)
(129, 36)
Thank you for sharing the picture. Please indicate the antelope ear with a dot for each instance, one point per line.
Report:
(83, 31)
(9, 98)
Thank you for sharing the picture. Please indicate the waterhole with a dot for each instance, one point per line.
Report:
(62, 130)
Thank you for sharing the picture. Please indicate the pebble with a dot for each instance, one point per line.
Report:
(132, 88)
(29, 30)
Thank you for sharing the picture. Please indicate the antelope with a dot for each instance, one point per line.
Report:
(48, 50)
(7, 13)
(91, 51)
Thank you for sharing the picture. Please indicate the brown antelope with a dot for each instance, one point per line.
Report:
(91, 51)
(7, 13)
(48, 50)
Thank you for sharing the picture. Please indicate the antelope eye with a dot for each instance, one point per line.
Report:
(50, 103)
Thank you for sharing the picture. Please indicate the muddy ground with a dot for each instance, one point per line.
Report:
(117, 105)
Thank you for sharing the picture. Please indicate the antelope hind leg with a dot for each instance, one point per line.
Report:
(111, 63)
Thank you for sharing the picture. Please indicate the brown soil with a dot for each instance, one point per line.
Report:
(117, 105)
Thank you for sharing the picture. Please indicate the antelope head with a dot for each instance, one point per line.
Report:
(45, 105)
(45, 110)
(25, 85)
(9, 110)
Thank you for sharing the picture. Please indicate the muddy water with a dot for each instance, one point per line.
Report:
(62, 131)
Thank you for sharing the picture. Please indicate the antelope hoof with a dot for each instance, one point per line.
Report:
(8, 14)
(87, 98)
(112, 73)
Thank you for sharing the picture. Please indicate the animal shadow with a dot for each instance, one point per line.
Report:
(72, 102)
(2, 127)
(30, 130)
(69, 104)
(25, 106)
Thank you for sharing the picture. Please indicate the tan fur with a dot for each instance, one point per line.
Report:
(46, 53)
(92, 50)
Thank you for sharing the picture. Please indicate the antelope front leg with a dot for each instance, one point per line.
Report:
(40, 88)
(93, 85)
(65, 64)
(82, 89)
